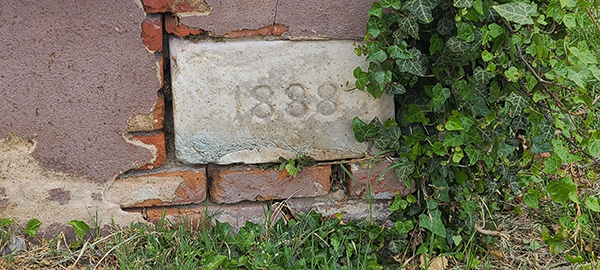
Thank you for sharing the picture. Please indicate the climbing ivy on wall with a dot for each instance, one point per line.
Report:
(495, 100)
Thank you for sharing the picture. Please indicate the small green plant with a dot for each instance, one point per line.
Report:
(294, 166)
(32, 227)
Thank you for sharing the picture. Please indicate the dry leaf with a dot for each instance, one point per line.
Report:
(497, 253)
(438, 263)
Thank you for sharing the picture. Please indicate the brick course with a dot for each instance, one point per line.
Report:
(173, 26)
(234, 184)
(159, 189)
(152, 32)
(158, 141)
(387, 187)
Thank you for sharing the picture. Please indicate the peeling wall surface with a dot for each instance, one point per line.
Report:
(73, 72)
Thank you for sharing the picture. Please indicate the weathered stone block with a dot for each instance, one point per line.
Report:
(254, 101)
(385, 187)
(158, 189)
(234, 184)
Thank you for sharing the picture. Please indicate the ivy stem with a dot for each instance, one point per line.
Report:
(592, 17)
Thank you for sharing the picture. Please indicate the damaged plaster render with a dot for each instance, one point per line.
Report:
(73, 73)
(28, 190)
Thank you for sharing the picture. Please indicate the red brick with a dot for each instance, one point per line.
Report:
(159, 189)
(176, 6)
(173, 26)
(160, 61)
(234, 184)
(386, 188)
(275, 30)
(159, 113)
(152, 32)
(158, 141)
(235, 214)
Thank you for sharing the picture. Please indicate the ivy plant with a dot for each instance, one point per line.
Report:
(493, 99)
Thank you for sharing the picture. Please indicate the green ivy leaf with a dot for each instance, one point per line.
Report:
(517, 12)
(80, 227)
(435, 44)
(376, 53)
(404, 170)
(568, 3)
(361, 78)
(560, 190)
(592, 203)
(569, 20)
(404, 226)
(463, 3)
(396, 4)
(396, 52)
(480, 107)
(439, 149)
(362, 131)
(416, 66)
(439, 95)
(518, 103)
(453, 139)
(421, 9)
(466, 31)
(375, 27)
(453, 123)
(552, 164)
(396, 89)
(445, 26)
(505, 149)
(532, 198)
(433, 222)
(563, 152)
(585, 56)
(594, 144)
(32, 227)
(482, 76)
(409, 25)
(416, 115)
(375, 10)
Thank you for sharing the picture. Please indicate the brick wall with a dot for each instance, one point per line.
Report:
(87, 123)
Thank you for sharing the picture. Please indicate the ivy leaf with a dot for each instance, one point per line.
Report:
(361, 78)
(395, 133)
(482, 76)
(551, 164)
(563, 152)
(559, 190)
(439, 96)
(466, 31)
(594, 144)
(396, 89)
(518, 103)
(433, 222)
(362, 131)
(382, 78)
(32, 227)
(505, 149)
(435, 44)
(473, 154)
(580, 78)
(421, 9)
(454, 123)
(391, 3)
(416, 66)
(532, 198)
(80, 227)
(375, 10)
(495, 30)
(517, 12)
(480, 107)
(376, 53)
(375, 27)
(592, 203)
(540, 146)
(453, 139)
(439, 149)
(416, 115)
(409, 25)
(404, 171)
(404, 226)
(445, 26)
(463, 3)
(398, 52)
(585, 56)
(569, 20)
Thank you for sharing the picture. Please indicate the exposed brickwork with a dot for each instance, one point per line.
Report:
(386, 188)
(158, 140)
(176, 6)
(274, 30)
(160, 189)
(152, 32)
(235, 214)
(173, 26)
(148, 122)
(234, 184)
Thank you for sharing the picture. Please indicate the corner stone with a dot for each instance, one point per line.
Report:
(255, 101)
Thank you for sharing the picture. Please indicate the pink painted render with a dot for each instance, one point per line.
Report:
(72, 73)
